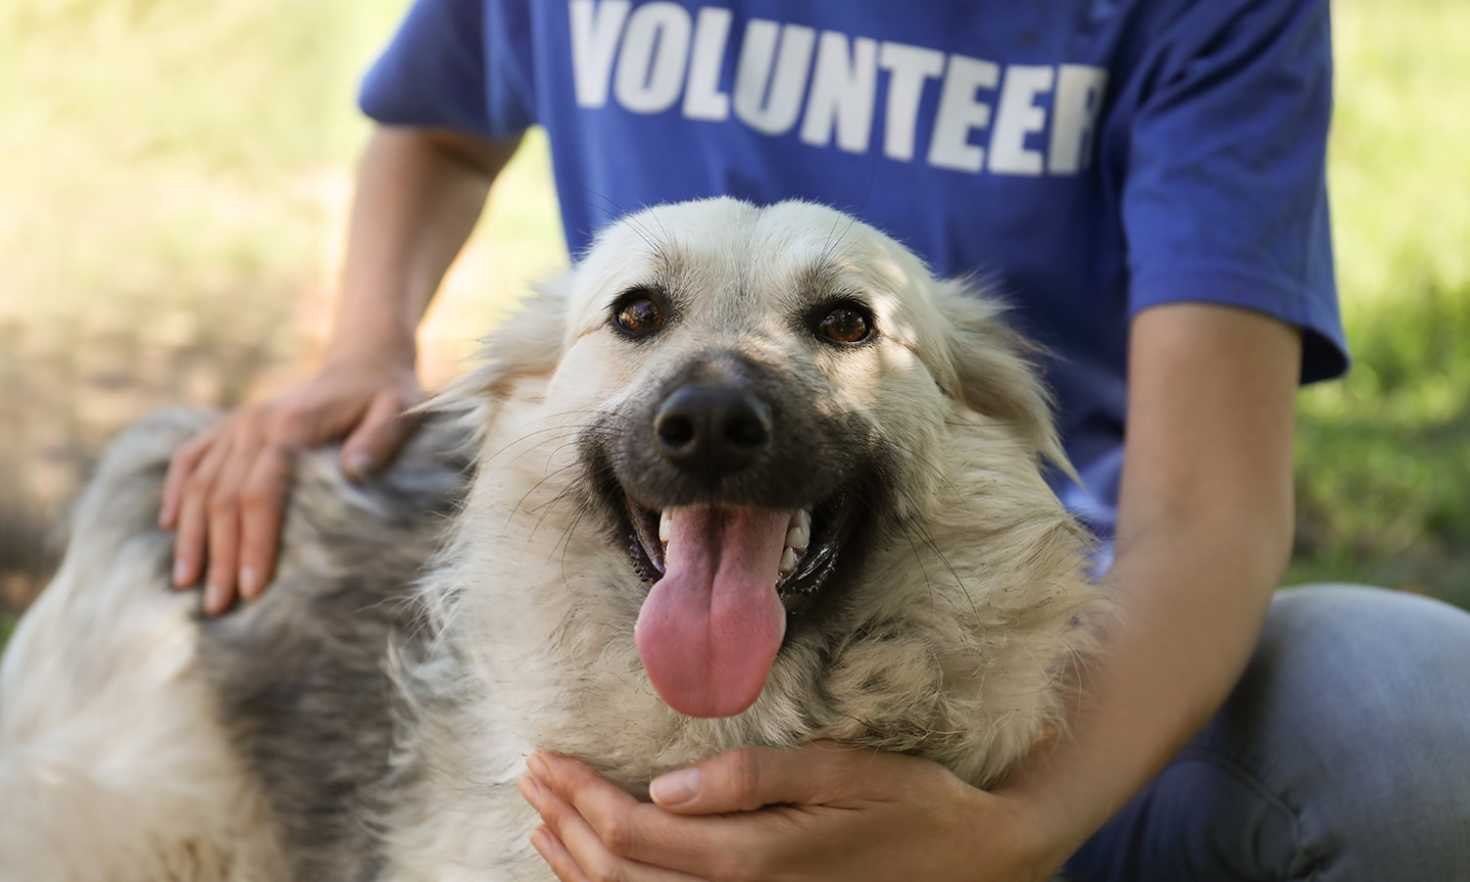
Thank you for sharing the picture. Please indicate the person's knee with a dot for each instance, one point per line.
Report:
(1336, 759)
(1352, 655)
(1366, 696)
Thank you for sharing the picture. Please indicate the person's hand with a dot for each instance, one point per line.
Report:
(226, 487)
(818, 812)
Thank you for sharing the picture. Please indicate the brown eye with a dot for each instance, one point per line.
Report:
(844, 325)
(638, 316)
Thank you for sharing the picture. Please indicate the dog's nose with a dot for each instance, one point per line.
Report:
(713, 429)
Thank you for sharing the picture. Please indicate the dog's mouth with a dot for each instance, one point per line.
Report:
(723, 579)
(809, 552)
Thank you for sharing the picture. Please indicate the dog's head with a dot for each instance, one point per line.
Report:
(759, 398)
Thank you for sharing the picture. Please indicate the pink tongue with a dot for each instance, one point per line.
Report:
(711, 627)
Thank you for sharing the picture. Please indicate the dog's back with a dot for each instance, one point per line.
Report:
(249, 734)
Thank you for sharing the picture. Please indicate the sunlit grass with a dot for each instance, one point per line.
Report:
(1400, 176)
(175, 163)
(1384, 457)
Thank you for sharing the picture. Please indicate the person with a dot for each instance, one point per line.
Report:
(1146, 182)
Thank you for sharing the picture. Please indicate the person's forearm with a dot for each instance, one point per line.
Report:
(1192, 594)
(419, 194)
(1204, 533)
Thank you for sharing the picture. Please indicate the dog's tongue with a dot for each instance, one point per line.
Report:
(710, 629)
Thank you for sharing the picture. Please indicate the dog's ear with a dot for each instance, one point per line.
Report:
(527, 344)
(993, 370)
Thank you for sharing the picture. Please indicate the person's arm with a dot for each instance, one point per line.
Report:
(1205, 529)
(419, 194)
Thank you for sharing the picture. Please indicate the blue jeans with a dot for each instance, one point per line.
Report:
(1342, 756)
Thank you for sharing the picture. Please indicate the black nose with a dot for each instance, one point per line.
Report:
(712, 429)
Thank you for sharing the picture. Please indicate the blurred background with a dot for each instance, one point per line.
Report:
(174, 186)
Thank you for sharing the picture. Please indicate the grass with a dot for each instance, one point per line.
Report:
(183, 171)
(1383, 458)
(191, 162)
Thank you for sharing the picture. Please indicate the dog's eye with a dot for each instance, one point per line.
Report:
(845, 325)
(637, 314)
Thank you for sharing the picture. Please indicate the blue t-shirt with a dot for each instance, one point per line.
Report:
(1090, 158)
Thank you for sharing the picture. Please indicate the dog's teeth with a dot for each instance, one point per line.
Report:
(788, 561)
(803, 520)
(798, 536)
(665, 526)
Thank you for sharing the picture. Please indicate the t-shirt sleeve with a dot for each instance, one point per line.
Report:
(1225, 197)
(435, 73)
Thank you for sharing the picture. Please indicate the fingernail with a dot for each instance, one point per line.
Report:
(248, 584)
(181, 572)
(537, 765)
(675, 787)
(358, 464)
(214, 599)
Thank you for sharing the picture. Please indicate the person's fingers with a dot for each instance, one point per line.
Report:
(193, 516)
(262, 500)
(747, 779)
(216, 473)
(180, 466)
(556, 856)
(224, 521)
(638, 831)
(593, 858)
(625, 824)
(383, 429)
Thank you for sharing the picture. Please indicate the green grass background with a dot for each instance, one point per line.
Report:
(1383, 458)
(175, 183)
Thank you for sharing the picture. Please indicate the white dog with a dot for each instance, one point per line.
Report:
(748, 476)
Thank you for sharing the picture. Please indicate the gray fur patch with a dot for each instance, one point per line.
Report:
(301, 675)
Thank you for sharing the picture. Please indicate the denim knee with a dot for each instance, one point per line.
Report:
(1355, 714)
(1343, 755)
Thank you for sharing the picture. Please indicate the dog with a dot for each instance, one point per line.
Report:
(746, 476)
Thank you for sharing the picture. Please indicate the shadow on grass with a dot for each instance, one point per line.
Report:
(1383, 459)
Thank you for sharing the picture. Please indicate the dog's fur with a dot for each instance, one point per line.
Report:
(347, 727)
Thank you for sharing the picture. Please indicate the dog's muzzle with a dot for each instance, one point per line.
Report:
(736, 496)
